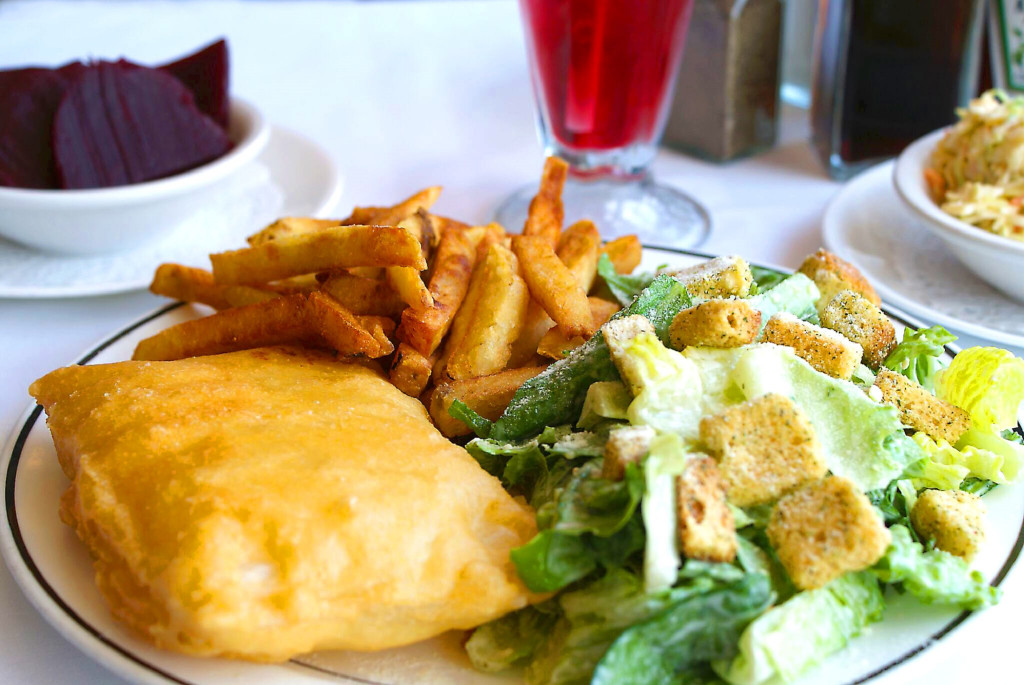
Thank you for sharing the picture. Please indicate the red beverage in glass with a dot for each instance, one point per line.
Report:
(603, 68)
(603, 72)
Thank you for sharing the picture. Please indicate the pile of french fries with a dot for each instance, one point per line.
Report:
(453, 311)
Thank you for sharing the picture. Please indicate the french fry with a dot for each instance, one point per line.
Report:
(424, 329)
(579, 248)
(409, 286)
(554, 286)
(363, 296)
(546, 213)
(555, 345)
(244, 295)
(343, 330)
(536, 325)
(290, 225)
(625, 253)
(391, 216)
(483, 237)
(487, 396)
(188, 284)
(410, 370)
(340, 247)
(306, 283)
(381, 328)
(495, 320)
(273, 322)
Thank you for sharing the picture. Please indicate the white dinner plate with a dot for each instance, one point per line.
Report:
(293, 176)
(53, 569)
(868, 224)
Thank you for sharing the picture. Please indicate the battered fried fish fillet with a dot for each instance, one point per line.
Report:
(271, 502)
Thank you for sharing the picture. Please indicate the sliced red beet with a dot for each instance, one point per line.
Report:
(120, 123)
(205, 72)
(28, 100)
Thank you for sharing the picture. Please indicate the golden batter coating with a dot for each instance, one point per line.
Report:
(271, 502)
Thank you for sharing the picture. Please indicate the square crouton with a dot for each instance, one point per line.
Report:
(954, 519)
(719, 277)
(706, 528)
(827, 270)
(765, 448)
(618, 334)
(825, 350)
(627, 445)
(920, 409)
(863, 322)
(715, 323)
(824, 530)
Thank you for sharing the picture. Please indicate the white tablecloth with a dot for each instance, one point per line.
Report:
(403, 95)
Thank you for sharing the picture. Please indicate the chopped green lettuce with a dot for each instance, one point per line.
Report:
(987, 383)
(980, 454)
(933, 576)
(595, 615)
(862, 440)
(670, 393)
(462, 411)
(625, 287)
(684, 636)
(580, 512)
(512, 639)
(765, 278)
(556, 396)
(795, 295)
(604, 400)
(666, 459)
(918, 355)
(802, 631)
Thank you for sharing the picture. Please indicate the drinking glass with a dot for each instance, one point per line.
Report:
(603, 72)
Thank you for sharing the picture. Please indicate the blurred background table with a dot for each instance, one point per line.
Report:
(403, 95)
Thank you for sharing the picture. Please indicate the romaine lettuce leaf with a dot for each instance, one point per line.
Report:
(795, 295)
(980, 454)
(595, 615)
(802, 631)
(765, 278)
(987, 383)
(625, 287)
(933, 576)
(556, 396)
(687, 634)
(670, 396)
(862, 440)
(666, 459)
(512, 639)
(918, 355)
(587, 507)
(604, 400)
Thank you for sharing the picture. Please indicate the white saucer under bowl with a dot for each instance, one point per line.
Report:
(913, 269)
(293, 176)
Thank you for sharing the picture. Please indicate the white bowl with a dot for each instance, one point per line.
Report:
(103, 220)
(997, 260)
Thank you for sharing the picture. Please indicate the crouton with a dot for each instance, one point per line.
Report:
(706, 528)
(718, 277)
(825, 350)
(920, 409)
(627, 445)
(824, 530)
(823, 262)
(954, 519)
(715, 323)
(765, 448)
(863, 322)
(618, 334)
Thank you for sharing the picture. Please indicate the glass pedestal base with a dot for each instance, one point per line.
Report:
(658, 214)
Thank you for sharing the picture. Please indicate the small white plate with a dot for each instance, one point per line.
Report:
(53, 569)
(910, 267)
(293, 176)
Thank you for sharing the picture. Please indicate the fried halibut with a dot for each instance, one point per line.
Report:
(271, 502)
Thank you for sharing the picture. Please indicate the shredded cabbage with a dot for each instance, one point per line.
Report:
(979, 165)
